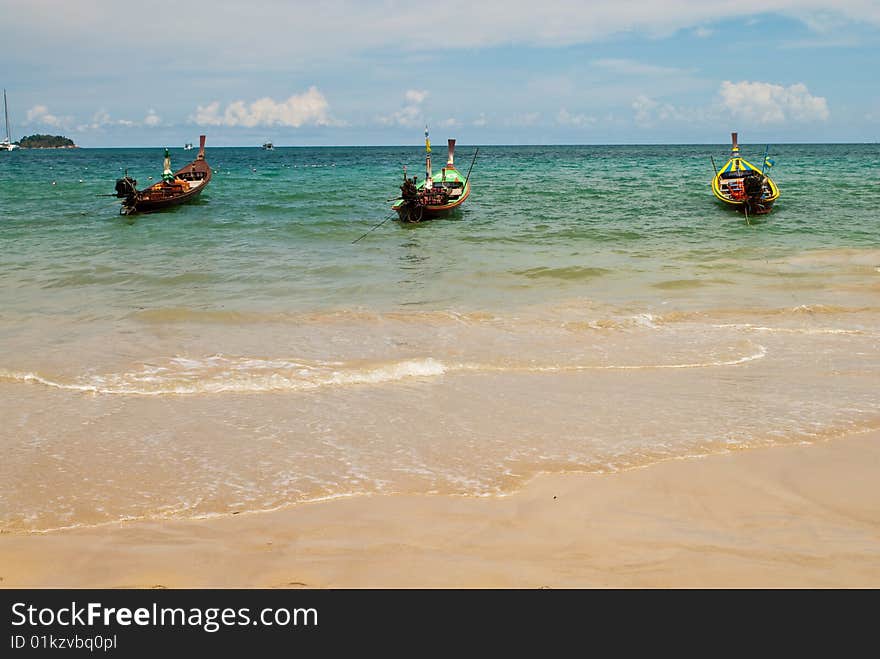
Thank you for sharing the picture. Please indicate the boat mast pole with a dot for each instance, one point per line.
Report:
(6, 113)
(470, 168)
(428, 180)
(764, 161)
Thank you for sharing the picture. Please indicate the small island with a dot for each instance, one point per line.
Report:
(46, 142)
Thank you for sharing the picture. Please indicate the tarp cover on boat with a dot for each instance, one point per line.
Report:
(738, 165)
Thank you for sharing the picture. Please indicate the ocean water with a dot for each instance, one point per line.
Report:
(590, 308)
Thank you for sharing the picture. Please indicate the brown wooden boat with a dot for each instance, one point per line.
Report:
(181, 186)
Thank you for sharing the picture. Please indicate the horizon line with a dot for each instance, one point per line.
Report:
(458, 144)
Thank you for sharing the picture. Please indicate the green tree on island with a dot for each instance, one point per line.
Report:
(46, 142)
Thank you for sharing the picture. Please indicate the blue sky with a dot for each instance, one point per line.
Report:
(351, 73)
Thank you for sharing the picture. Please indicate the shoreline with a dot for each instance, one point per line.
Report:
(783, 516)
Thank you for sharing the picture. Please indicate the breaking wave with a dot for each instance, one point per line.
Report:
(220, 374)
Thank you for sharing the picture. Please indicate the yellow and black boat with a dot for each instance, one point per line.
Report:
(744, 187)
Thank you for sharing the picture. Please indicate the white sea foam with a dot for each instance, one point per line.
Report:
(218, 374)
(760, 353)
(645, 320)
(790, 330)
(398, 371)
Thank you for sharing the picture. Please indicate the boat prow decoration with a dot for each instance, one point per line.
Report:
(744, 187)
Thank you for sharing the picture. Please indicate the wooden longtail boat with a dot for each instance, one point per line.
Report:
(744, 187)
(181, 186)
(438, 194)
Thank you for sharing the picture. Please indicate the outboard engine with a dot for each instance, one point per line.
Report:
(411, 209)
(408, 191)
(125, 186)
(753, 183)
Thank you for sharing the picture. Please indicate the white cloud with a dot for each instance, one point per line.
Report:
(208, 115)
(481, 120)
(524, 119)
(40, 115)
(343, 27)
(452, 122)
(765, 103)
(410, 115)
(416, 96)
(703, 32)
(308, 108)
(823, 41)
(630, 67)
(152, 119)
(102, 119)
(755, 102)
(577, 120)
(825, 21)
(648, 111)
(489, 23)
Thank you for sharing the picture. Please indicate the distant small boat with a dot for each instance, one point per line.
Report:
(268, 146)
(435, 196)
(7, 144)
(188, 146)
(181, 186)
(744, 187)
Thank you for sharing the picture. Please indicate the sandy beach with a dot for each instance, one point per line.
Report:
(595, 386)
(584, 298)
(792, 516)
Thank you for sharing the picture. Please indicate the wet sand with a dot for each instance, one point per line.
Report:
(792, 516)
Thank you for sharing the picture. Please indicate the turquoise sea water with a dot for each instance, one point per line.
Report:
(274, 229)
(589, 308)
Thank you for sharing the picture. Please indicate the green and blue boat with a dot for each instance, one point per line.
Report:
(437, 194)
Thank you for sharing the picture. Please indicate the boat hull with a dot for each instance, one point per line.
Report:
(756, 206)
(155, 204)
(429, 211)
(761, 208)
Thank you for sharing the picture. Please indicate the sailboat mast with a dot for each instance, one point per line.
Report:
(6, 114)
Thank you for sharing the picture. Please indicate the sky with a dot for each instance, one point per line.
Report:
(370, 72)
